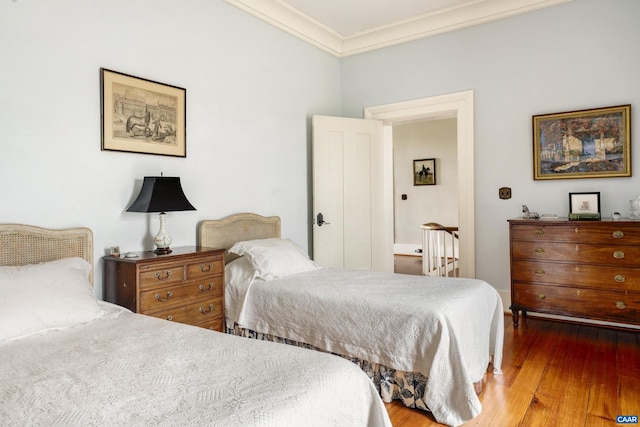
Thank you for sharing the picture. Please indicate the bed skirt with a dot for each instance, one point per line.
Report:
(408, 387)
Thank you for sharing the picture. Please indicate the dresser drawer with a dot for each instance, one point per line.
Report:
(214, 324)
(194, 313)
(205, 268)
(583, 275)
(579, 232)
(161, 275)
(576, 252)
(588, 303)
(163, 297)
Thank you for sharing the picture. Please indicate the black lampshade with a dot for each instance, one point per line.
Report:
(161, 194)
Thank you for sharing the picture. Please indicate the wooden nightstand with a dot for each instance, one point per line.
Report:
(185, 286)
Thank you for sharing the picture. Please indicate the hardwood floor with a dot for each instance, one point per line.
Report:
(407, 264)
(554, 374)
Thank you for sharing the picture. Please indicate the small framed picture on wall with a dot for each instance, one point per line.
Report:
(424, 172)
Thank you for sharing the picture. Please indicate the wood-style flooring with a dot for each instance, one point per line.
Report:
(554, 374)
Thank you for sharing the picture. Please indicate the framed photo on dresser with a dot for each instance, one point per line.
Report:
(584, 203)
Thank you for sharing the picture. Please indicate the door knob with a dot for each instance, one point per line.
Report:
(320, 220)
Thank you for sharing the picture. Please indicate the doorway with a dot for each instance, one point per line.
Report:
(416, 202)
(456, 105)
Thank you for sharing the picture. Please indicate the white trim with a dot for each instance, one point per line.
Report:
(285, 17)
(298, 24)
(459, 105)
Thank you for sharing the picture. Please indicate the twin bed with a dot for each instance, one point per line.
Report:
(68, 359)
(425, 341)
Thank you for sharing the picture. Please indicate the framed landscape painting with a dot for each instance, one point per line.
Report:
(142, 116)
(593, 143)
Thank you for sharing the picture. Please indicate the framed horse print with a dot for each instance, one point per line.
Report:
(424, 172)
(142, 116)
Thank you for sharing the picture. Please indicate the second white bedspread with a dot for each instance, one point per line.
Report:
(445, 328)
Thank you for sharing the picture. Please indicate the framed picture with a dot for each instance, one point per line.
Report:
(593, 143)
(584, 203)
(424, 172)
(142, 116)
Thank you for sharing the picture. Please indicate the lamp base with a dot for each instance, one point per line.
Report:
(162, 240)
(162, 251)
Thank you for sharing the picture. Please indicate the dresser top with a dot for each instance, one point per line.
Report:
(176, 254)
(565, 220)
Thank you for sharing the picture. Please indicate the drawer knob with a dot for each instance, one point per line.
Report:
(539, 250)
(159, 275)
(206, 267)
(621, 305)
(538, 231)
(206, 289)
(576, 230)
(159, 298)
(617, 234)
(618, 254)
(541, 296)
(206, 310)
(169, 317)
(539, 272)
(619, 278)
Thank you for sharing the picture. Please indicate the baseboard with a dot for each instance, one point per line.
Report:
(407, 249)
(505, 296)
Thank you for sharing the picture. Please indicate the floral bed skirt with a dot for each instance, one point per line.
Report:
(409, 387)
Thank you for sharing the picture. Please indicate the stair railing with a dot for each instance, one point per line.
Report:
(440, 253)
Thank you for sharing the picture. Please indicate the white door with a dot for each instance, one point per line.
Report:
(353, 221)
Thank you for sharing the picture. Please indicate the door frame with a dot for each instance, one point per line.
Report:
(457, 105)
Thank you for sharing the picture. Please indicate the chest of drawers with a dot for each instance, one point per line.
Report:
(185, 286)
(585, 269)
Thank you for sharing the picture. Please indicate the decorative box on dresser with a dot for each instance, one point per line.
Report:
(185, 286)
(585, 269)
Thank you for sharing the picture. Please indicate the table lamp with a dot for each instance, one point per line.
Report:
(161, 194)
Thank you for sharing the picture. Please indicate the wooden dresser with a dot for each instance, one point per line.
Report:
(586, 269)
(185, 286)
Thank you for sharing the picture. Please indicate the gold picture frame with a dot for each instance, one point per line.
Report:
(142, 116)
(594, 143)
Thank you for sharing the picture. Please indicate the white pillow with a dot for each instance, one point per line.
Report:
(41, 297)
(238, 273)
(274, 258)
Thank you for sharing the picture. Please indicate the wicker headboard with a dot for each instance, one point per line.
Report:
(27, 244)
(223, 233)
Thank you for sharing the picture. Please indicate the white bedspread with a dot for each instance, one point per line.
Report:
(133, 370)
(445, 328)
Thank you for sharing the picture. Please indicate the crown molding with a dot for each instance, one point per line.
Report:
(300, 25)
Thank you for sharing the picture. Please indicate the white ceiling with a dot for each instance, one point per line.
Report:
(348, 27)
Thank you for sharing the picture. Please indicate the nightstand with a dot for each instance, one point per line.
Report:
(185, 286)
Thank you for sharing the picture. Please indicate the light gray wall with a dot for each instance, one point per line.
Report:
(425, 203)
(576, 55)
(251, 90)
